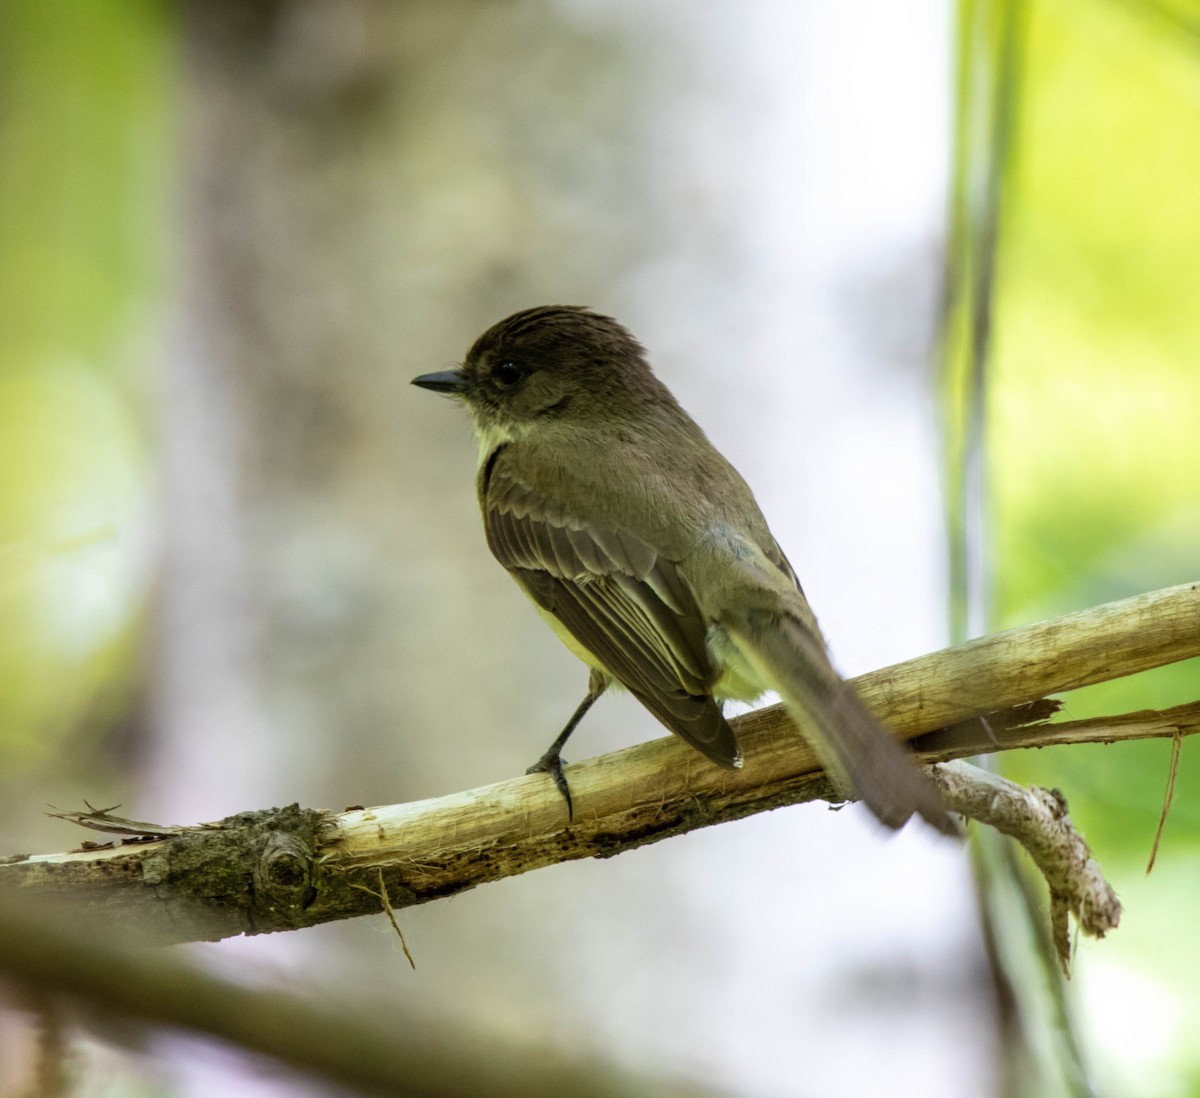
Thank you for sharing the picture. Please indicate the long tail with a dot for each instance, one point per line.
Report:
(855, 748)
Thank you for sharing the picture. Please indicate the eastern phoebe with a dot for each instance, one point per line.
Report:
(646, 553)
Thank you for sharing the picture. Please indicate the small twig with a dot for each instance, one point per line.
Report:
(1168, 796)
(387, 910)
(102, 819)
(385, 901)
(1038, 820)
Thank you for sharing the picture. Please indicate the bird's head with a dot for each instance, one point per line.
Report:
(546, 367)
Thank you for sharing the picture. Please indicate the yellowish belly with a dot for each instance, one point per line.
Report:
(736, 680)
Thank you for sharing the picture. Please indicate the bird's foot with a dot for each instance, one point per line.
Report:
(551, 763)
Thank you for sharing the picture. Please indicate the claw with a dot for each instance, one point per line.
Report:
(551, 763)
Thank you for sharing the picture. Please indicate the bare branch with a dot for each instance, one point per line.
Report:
(289, 868)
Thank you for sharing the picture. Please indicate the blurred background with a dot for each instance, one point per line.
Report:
(241, 562)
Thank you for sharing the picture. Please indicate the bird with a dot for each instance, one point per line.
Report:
(647, 554)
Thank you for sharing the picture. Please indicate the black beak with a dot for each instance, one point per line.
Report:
(445, 381)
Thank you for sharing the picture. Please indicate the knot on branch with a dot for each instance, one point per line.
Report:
(257, 868)
(252, 872)
(284, 871)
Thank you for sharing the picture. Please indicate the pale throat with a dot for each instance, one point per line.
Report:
(491, 436)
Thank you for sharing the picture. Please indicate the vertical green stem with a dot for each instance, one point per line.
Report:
(1030, 998)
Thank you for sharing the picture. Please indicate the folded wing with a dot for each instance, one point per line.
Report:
(620, 599)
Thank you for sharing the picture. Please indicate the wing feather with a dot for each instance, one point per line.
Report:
(620, 599)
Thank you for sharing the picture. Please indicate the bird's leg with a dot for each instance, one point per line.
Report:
(551, 762)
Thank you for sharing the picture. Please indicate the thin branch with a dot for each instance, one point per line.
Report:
(1168, 797)
(390, 1051)
(287, 868)
(1037, 819)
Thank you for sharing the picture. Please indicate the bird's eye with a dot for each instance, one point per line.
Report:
(507, 373)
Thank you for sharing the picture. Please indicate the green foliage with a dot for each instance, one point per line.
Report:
(84, 115)
(1095, 451)
(1096, 384)
(1094, 460)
